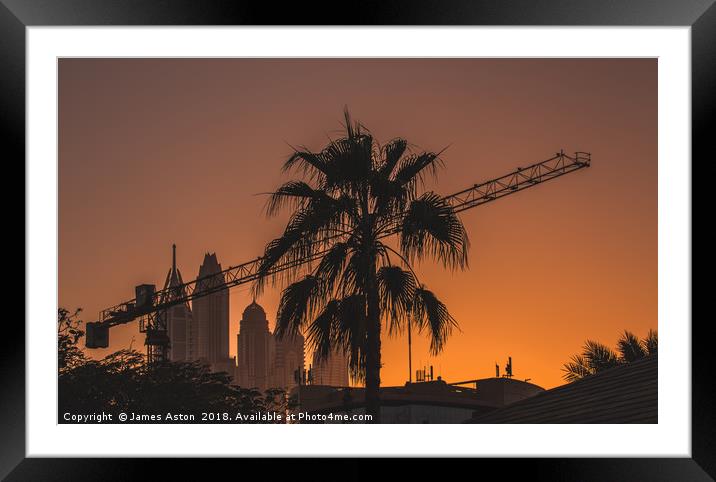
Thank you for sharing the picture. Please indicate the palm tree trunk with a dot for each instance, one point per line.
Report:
(372, 372)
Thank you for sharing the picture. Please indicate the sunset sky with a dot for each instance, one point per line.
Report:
(154, 152)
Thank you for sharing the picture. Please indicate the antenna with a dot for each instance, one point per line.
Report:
(410, 355)
(174, 257)
(508, 367)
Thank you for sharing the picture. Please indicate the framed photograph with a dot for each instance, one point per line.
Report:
(292, 232)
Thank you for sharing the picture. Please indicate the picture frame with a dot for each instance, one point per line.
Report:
(17, 15)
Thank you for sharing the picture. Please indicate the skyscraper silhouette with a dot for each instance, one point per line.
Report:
(208, 334)
(264, 361)
(288, 359)
(179, 316)
(254, 349)
(332, 372)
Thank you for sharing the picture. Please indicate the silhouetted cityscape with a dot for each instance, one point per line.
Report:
(374, 255)
(200, 332)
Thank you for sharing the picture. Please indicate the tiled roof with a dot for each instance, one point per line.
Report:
(625, 394)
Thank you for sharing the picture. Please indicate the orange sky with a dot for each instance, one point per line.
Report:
(155, 152)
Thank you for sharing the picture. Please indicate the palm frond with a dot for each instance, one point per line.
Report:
(310, 164)
(651, 342)
(341, 326)
(294, 194)
(353, 129)
(282, 252)
(431, 314)
(391, 153)
(576, 369)
(396, 291)
(351, 161)
(598, 356)
(354, 276)
(299, 301)
(351, 334)
(431, 227)
(630, 347)
(413, 169)
(320, 334)
(308, 232)
(332, 265)
(390, 197)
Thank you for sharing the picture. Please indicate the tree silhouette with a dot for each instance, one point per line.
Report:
(597, 357)
(123, 382)
(69, 333)
(353, 195)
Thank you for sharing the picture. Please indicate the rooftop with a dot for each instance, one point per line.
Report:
(489, 394)
(254, 307)
(624, 394)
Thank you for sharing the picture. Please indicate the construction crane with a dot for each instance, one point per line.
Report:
(150, 306)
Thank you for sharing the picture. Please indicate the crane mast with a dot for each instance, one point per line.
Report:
(150, 306)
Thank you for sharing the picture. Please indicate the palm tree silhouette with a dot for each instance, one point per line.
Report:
(353, 195)
(597, 357)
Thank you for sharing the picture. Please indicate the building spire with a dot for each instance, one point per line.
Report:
(174, 275)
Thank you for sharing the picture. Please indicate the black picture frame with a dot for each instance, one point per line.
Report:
(700, 15)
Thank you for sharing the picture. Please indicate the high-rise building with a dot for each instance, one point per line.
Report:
(332, 372)
(208, 333)
(179, 316)
(288, 361)
(255, 349)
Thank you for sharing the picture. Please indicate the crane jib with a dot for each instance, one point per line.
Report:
(150, 305)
